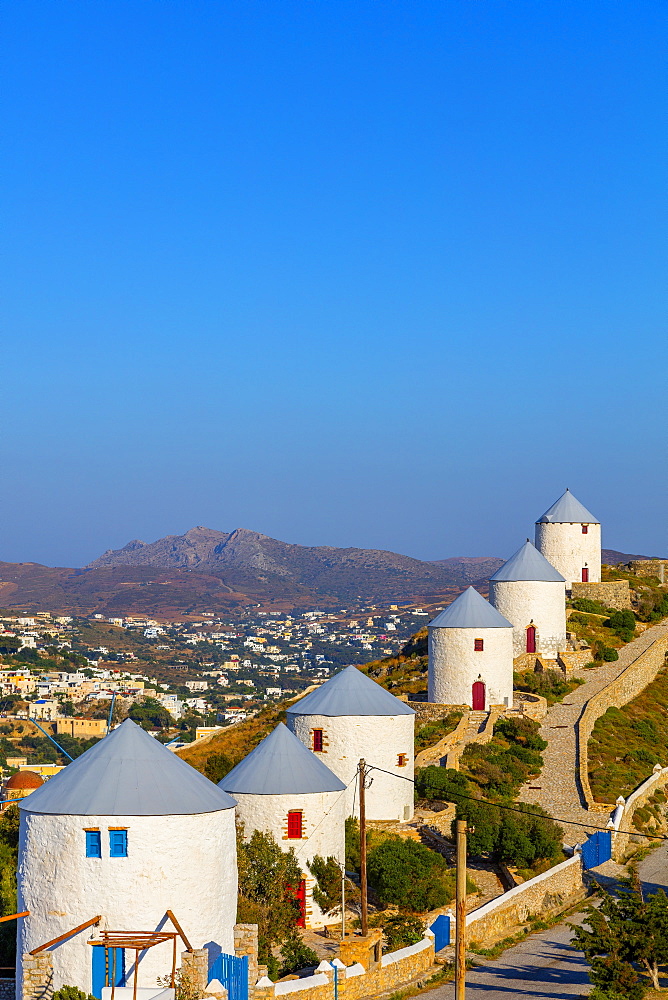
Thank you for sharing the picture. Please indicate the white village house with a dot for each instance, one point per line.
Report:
(350, 718)
(283, 789)
(529, 592)
(471, 654)
(127, 831)
(569, 537)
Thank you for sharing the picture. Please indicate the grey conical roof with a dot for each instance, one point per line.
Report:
(281, 765)
(527, 564)
(350, 692)
(128, 773)
(568, 510)
(470, 610)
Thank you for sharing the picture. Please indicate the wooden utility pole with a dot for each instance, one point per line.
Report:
(460, 927)
(363, 898)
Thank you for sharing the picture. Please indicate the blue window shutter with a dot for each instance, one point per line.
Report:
(118, 843)
(93, 844)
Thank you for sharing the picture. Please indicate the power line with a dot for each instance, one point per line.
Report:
(524, 812)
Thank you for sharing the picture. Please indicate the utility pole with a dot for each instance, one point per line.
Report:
(363, 899)
(460, 927)
(343, 900)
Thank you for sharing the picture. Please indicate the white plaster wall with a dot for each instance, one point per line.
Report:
(376, 738)
(569, 550)
(540, 601)
(323, 826)
(187, 864)
(454, 665)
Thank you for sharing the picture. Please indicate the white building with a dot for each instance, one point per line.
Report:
(283, 789)
(471, 654)
(531, 594)
(126, 831)
(569, 537)
(350, 718)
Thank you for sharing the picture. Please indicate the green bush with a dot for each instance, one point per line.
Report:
(408, 875)
(609, 654)
(296, 955)
(592, 607)
(71, 993)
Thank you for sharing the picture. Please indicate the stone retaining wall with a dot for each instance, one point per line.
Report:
(611, 593)
(429, 711)
(618, 692)
(433, 754)
(650, 567)
(622, 817)
(544, 895)
(353, 983)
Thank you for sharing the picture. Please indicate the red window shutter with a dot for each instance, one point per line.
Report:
(585, 529)
(478, 645)
(585, 575)
(317, 740)
(294, 825)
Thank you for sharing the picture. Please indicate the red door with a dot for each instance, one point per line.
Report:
(531, 639)
(478, 698)
(585, 575)
(299, 894)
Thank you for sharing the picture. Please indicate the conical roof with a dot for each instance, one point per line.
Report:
(527, 564)
(128, 773)
(470, 610)
(568, 510)
(281, 765)
(350, 692)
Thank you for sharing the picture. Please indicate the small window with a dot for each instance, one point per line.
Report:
(295, 825)
(585, 529)
(402, 759)
(93, 844)
(317, 741)
(118, 843)
(478, 645)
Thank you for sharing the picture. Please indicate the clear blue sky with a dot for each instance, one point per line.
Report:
(373, 273)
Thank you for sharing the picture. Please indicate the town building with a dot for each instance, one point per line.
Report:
(569, 537)
(471, 654)
(283, 789)
(529, 592)
(126, 832)
(350, 718)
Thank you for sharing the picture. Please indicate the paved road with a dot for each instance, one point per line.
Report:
(544, 967)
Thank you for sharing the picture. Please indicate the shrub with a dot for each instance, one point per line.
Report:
(609, 654)
(327, 890)
(296, 955)
(400, 931)
(408, 875)
(71, 993)
(592, 607)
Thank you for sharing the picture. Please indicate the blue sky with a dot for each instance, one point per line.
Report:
(372, 273)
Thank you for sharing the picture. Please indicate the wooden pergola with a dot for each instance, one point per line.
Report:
(136, 941)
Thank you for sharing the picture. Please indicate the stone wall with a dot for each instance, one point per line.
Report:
(434, 754)
(195, 968)
(622, 817)
(394, 970)
(544, 895)
(37, 981)
(650, 567)
(426, 711)
(612, 594)
(618, 692)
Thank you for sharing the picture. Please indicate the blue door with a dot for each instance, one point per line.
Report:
(108, 968)
(597, 848)
(441, 930)
(232, 971)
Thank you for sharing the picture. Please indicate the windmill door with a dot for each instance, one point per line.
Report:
(531, 639)
(478, 697)
(108, 968)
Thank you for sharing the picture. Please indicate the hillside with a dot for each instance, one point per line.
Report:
(248, 562)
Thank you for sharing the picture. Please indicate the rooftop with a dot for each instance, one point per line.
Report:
(281, 765)
(567, 510)
(527, 564)
(470, 610)
(350, 692)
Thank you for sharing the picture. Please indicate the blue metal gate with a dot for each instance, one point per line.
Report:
(232, 971)
(108, 968)
(597, 848)
(441, 931)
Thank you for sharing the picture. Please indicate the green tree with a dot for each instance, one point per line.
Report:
(408, 875)
(296, 955)
(150, 714)
(217, 766)
(268, 878)
(327, 875)
(624, 931)
(9, 846)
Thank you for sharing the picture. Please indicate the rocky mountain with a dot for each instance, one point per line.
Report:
(249, 562)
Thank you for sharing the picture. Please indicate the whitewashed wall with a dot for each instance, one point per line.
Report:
(379, 739)
(323, 826)
(569, 550)
(183, 863)
(540, 601)
(454, 665)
